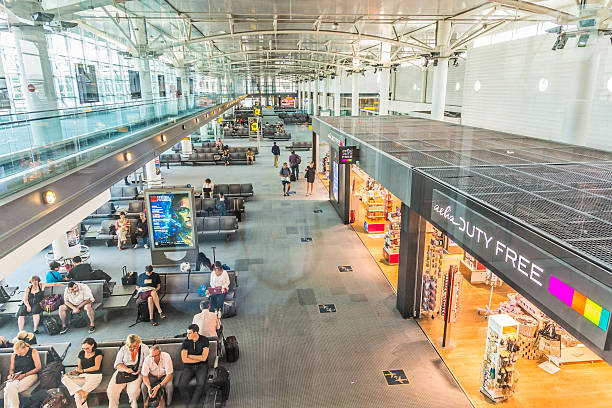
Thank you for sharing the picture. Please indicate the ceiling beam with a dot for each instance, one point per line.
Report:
(297, 51)
(289, 65)
(344, 34)
(560, 16)
(126, 35)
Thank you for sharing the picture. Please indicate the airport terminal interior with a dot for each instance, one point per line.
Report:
(341, 203)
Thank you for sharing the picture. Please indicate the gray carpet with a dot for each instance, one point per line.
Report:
(291, 355)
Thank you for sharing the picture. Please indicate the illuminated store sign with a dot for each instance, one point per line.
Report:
(581, 301)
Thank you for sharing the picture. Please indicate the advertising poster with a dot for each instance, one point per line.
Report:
(288, 102)
(171, 220)
(157, 166)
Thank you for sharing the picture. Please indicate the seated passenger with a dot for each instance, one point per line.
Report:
(128, 365)
(208, 189)
(141, 231)
(147, 285)
(207, 321)
(88, 374)
(4, 343)
(27, 337)
(53, 275)
(77, 297)
(194, 354)
(218, 279)
(157, 373)
(80, 271)
(250, 157)
(226, 157)
(122, 226)
(219, 144)
(23, 373)
(34, 294)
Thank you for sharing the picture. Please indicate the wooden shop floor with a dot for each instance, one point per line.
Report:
(575, 385)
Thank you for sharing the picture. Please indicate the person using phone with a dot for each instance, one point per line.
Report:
(23, 372)
(88, 374)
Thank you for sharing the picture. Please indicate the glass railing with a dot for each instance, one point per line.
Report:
(40, 145)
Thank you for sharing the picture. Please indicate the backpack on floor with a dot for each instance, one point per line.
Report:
(212, 398)
(232, 352)
(51, 375)
(52, 325)
(78, 320)
(143, 312)
(58, 400)
(221, 380)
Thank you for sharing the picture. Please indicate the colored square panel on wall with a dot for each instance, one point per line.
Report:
(561, 290)
(592, 311)
(578, 302)
(604, 320)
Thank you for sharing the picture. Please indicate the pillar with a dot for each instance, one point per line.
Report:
(577, 117)
(337, 92)
(383, 95)
(62, 249)
(37, 74)
(315, 97)
(146, 86)
(324, 94)
(153, 173)
(411, 257)
(355, 89)
(438, 92)
(186, 147)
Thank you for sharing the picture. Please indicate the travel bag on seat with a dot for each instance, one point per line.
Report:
(232, 352)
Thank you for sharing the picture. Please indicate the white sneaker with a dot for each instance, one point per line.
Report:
(146, 246)
(219, 314)
(135, 246)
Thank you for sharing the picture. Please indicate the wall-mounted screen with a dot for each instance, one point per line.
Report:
(334, 180)
(161, 83)
(135, 91)
(347, 154)
(171, 220)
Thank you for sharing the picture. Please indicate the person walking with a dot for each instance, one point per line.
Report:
(285, 175)
(294, 162)
(310, 178)
(88, 374)
(276, 153)
(221, 204)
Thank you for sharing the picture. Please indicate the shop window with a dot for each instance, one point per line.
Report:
(135, 90)
(161, 83)
(87, 83)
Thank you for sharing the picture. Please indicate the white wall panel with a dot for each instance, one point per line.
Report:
(509, 99)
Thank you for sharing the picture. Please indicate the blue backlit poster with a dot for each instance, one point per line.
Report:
(171, 220)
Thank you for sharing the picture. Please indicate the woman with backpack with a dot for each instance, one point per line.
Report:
(88, 374)
(34, 294)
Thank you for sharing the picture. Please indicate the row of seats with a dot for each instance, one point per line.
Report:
(243, 190)
(180, 287)
(232, 149)
(284, 136)
(208, 206)
(177, 147)
(299, 146)
(210, 158)
(124, 193)
(217, 225)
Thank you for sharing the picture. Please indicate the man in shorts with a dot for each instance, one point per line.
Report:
(285, 175)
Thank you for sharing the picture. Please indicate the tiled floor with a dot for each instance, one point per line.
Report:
(291, 355)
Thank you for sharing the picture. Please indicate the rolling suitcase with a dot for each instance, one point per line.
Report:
(212, 398)
(232, 352)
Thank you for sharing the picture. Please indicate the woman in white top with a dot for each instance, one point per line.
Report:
(128, 365)
(208, 189)
(218, 279)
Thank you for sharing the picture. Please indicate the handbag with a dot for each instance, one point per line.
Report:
(123, 377)
(548, 341)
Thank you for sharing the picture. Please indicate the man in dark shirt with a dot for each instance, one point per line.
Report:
(80, 271)
(194, 354)
(147, 285)
(276, 153)
(141, 231)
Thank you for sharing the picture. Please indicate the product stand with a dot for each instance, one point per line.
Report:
(392, 239)
(498, 372)
(374, 203)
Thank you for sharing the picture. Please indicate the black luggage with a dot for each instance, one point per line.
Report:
(229, 309)
(128, 278)
(232, 351)
(221, 380)
(98, 274)
(212, 398)
(52, 325)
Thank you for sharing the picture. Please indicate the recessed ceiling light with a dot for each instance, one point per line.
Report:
(49, 197)
(610, 84)
(477, 86)
(457, 86)
(163, 137)
(543, 84)
(127, 156)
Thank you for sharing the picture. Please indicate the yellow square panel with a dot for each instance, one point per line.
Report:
(592, 311)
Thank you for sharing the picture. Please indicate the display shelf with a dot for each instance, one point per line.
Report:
(392, 239)
(374, 225)
(473, 275)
